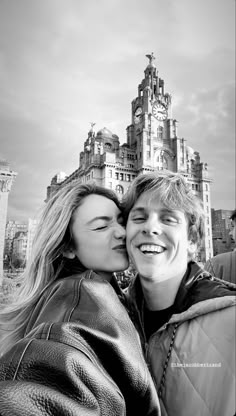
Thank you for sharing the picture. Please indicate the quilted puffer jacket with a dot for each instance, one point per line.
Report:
(81, 356)
(192, 356)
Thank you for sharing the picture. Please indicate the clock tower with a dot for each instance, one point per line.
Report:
(152, 133)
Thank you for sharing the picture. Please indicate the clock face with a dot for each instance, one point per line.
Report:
(159, 111)
(138, 115)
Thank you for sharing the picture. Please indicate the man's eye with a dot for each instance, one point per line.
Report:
(138, 219)
(170, 220)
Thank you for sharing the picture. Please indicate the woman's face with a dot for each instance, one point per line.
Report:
(98, 235)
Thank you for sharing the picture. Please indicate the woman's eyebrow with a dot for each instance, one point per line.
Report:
(102, 217)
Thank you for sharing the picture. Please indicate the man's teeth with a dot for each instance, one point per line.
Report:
(150, 248)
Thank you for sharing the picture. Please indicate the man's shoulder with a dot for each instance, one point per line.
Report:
(223, 266)
(223, 256)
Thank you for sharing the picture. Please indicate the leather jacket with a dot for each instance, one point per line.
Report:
(81, 355)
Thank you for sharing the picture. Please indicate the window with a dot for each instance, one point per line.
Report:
(117, 175)
(159, 132)
(121, 176)
(119, 189)
(148, 155)
(110, 173)
(107, 145)
(206, 187)
(207, 198)
(128, 178)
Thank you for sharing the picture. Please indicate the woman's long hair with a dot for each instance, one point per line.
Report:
(46, 264)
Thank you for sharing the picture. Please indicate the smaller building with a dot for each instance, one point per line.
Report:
(7, 177)
(19, 248)
(221, 227)
(12, 228)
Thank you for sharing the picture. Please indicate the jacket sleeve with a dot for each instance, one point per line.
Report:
(91, 363)
(52, 372)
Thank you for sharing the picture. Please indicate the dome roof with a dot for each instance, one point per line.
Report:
(190, 150)
(105, 133)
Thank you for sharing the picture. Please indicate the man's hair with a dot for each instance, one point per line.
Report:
(174, 193)
(233, 216)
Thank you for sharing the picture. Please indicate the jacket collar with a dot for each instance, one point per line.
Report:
(196, 286)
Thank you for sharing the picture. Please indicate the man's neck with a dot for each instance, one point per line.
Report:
(160, 295)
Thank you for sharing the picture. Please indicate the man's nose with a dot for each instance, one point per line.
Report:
(152, 227)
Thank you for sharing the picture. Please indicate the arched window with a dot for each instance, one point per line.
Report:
(119, 189)
(107, 145)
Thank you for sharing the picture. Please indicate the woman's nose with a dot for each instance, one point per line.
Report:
(120, 231)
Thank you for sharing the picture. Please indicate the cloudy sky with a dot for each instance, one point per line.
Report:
(65, 63)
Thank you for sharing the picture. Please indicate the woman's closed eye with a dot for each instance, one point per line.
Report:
(101, 227)
(100, 224)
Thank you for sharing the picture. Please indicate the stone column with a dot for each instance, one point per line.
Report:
(6, 180)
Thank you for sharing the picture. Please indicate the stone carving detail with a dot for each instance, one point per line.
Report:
(5, 185)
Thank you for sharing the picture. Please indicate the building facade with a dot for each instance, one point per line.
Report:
(19, 248)
(12, 228)
(152, 144)
(221, 227)
(6, 179)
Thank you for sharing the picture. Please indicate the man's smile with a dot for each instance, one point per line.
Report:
(151, 249)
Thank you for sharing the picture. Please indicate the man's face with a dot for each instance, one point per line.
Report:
(233, 231)
(157, 239)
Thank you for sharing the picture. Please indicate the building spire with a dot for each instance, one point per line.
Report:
(92, 124)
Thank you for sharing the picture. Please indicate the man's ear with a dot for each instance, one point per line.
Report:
(69, 253)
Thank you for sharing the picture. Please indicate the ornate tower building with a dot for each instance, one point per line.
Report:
(6, 179)
(152, 144)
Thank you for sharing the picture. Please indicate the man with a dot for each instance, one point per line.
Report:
(185, 317)
(224, 265)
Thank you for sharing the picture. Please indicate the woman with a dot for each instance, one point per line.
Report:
(77, 351)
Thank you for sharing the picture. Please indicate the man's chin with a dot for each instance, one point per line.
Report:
(147, 274)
